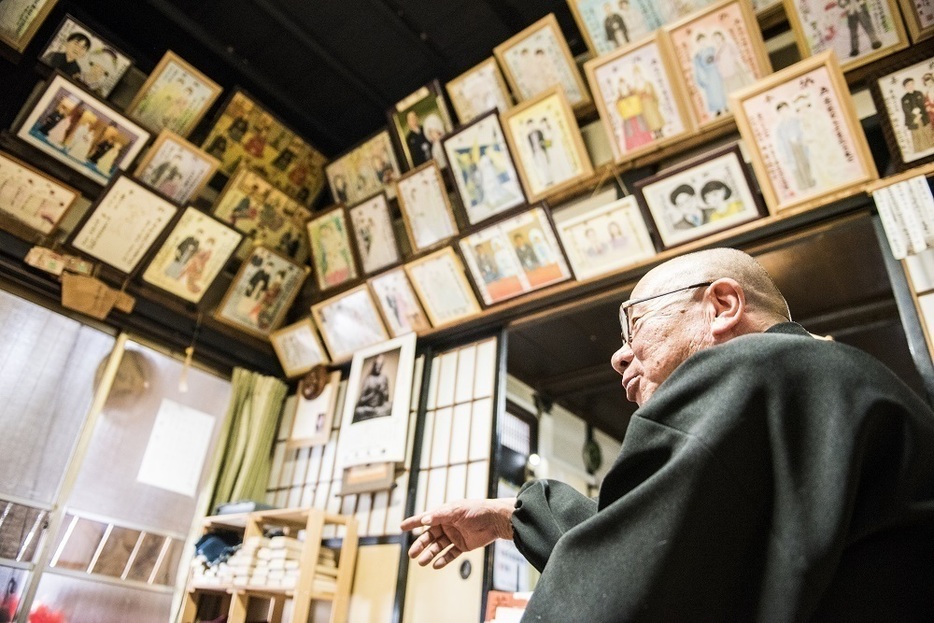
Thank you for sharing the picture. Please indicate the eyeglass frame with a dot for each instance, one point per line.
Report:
(625, 322)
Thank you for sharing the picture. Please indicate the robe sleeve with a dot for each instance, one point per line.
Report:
(545, 510)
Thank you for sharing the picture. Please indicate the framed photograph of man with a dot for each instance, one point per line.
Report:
(483, 169)
(374, 423)
(79, 130)
(261, 292)
(122, 224)
(31, 197)
(919, 16)
(349, 322)
(251, 205)
(859, 31)
(442, 287)
(418, 122)
(604, 238)
(298, 348)
(398, 302)
(365, 170)
(906, 99)
(804, 137)
(331, 251)
(708, 194)
(479, 90)
(311, 425)
(20, 19)
(517, 255)
(717, 51)
(425, 206)
(245, 132)
(641, 106)
(371, 221)
(192, 256)
(544, 138)
(175, 167)
(85, 57)
(538, 59)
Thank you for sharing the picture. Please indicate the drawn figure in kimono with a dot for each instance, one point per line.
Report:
(707, 75)
(792, 146)
(595, 246)
(539, 246)
(615, 27)
(828, 160)
(539, 150)
(259, 281)
(648, 98)
(857, 15)
(79, 145)
(263, 312)
(561, 167)
(917, 120)
(335, 260)
(55, 125)
(169, 186)
(687, 214)
(184, 251)
(105, 143)
(629, 108)
(730, 64)
(493, 191)
(193, 272)
(486, 264)
(618, 239)
(419, 145)
(928, 84)
(638, 23)
(256, 144)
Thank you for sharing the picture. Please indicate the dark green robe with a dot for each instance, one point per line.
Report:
(776, 477)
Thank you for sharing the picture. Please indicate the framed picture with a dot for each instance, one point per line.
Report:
(174, 97)
(374, 423)
(859, 31)
(516, 255)
(311, 425)
(76, 128)
(717, 51)
(604, 238)
(803, 133)
(919, 15)
(124, 222)
(261, 293)
(175, 167)
(192, 256)
(331, 250)
(640, 105)
(365, 170)
(906, 96)
(398, 303)
(708, 194)
(349, 322)
(245, 132)
(418, 123)
(298, 348)
(251, 205)
(479, 90)
(372, 227)
(85, 57)
(32, 197)
(483, 170)
(543, 136)
(20, 19)
(426, 209)
(538, 59)
(442, 287)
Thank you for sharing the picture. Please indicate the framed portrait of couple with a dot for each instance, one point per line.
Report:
(398, 303)
(425, 206)
(371, 221)
(905, 97)
(479, 90)
(349, 322)
(31, 197)
(418, 123)
(365, 170)
(175, 168)
(298, 348)
(85, 57)
(331, 249)
(442, 287)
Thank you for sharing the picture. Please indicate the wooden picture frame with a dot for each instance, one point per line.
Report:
(332, 252)
(710, 193)
(418, 123)
(99, 66)
(398, 302)
(425, 206)
(364, 170)
(371, 222)
(349, 322)
(538, 59)
(546, 142)
(175, 96)
(175, 167)
(442, 287)
(608, 26)
(259, 310)
(33, 198)
(479, 90)
(19, 23)
(641, 104)
(76, 128)
(818, 29)
(192, 256)
(717, 51)
(483, 169)
(903, 110)
(313, 419)
(804, 137)
(604, 238)
(122, 224)
(919, 17)
(298, 347)
(244, 132)
(514, 256)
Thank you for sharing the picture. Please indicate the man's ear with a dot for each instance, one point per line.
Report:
(727, 303)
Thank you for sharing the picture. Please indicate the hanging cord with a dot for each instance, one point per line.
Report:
(189, 355)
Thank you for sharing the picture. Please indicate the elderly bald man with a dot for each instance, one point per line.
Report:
(766, 475)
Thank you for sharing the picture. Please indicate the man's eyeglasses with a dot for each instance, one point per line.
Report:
(625, 320)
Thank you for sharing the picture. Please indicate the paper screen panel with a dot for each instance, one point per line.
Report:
(466, 359)
(295, 497)
(486, 369)
(441, 437)
(481, 430)
(395, 513)
(448, 379)
(437, 483)
(300, 470)
(417, 382)
(288, 468)
(308, 496)
(329, 457)
(427, 440)
(421, 494)
(478, 479)
(457, 483)
(362, 514)
(275, 470)
(314, 465)
(321, 495)
(460, 433)
(378, 513)
(433, 385)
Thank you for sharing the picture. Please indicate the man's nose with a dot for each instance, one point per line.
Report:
(621, 358)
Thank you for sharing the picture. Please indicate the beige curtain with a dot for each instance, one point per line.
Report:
(252, 420)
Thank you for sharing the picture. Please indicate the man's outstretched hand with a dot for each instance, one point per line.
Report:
(464, 526)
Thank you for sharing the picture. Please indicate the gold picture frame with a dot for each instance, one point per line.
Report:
(31, 197)
(26, 22)
(348, 322)
(172, 158)
(440, 282)
(331, 245)
(479, 90)
(919, 26)
(425, 206)
(298, 347)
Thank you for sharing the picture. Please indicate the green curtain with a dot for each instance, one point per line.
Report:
(247, 441)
